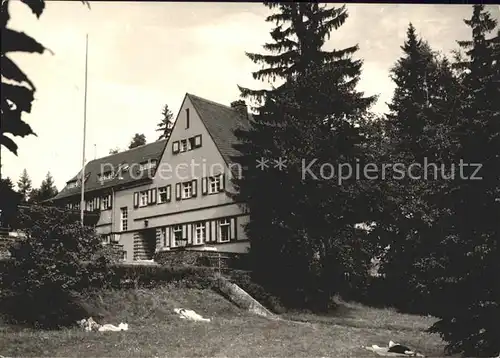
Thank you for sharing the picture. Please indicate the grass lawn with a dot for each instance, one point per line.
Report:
(155, 331)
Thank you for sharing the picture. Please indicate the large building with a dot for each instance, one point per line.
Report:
(170, 193)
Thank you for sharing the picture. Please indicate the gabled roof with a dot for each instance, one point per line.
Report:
(132, 157)
(221, 121)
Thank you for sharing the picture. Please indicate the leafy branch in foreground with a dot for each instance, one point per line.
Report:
(18, 91)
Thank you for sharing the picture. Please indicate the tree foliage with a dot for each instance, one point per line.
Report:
(46, 191)
(137, 141)
(302, 229)
(114, 151)
(9, 202)
(24, 186)
(419, 129)
(471, 266)
(56, 260)
(166, 125)
(18, 90)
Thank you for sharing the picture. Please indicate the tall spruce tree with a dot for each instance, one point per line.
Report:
(24, 186)
(166, 125)
(470, 273)
(419, 127)
(46, 191)
(301, 227)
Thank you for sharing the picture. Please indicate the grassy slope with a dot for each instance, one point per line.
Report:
(156, 331)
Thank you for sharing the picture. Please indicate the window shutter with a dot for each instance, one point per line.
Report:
(213, 224)
(175, 147)
(190, 233)
(207, 231)
(109, 201)
(233, 229)
(169, 193)
(184, 232)
(167, 236)
(149, 197)
(204, 186)
(197, 141)
(178, 191)
(136, 199)
(194, 183)
(222, 182)
(153, 195)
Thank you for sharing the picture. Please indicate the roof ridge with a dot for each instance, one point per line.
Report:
(212, 102)
(125, 151)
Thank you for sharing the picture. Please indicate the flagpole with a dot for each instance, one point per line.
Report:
(82, 199)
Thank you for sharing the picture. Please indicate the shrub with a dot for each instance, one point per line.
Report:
(268, 300)
(57, 259)
(126, 276)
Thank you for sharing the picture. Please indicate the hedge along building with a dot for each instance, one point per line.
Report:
(171, 193)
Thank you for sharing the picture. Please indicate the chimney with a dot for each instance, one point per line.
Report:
(241, 107)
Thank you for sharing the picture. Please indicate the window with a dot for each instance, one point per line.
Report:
(196, 141)
(124, 255)
(184, 145)
(176, 235)
(124, 219)
(199, 233)
(106, 202)
(106, 239)
(143, 198)
(105, 176)
(192, 142)
(90, 205)
(72, 184)
(148, 165)
(162, 195)
(214, 184)
(187, 190)
(187, 118)
(175, 147)
(224, 230)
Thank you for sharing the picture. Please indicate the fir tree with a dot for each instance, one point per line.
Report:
(470, 272)
(24, 186)
(9, 203)
(166, 125)
(300, 33)
(46, 191)
(137, 141)
(419, 128)
(300, 226)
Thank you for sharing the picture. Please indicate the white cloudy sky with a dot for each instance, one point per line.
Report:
(145, 55)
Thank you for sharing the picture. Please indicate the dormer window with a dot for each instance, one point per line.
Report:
(123, 167)
(148, 165)
(72, 184)
(106, 176)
